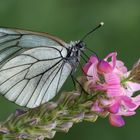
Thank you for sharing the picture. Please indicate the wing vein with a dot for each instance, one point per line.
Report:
(12, 76)
(51, 82)
(21, 91)
(62, 66)
(48, 69)
(34, 90)
(46, 81)
(7, 41)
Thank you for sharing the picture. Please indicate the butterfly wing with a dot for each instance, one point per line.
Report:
(32, 66)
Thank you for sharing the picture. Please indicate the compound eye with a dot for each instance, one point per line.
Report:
(81, 45)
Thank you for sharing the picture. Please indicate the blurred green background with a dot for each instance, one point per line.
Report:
(70, 20)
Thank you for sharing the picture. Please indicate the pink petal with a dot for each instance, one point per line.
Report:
(136, 100)
(128, 102)
(86, 67)
(113, 57)
(120, 66)
(112, 79)
(96, 107)
(114, 90)
(104, 67)
(126, 113)
(114, 87)
(116, 120)
(106, 102)
(114, 108)
(132, 87)
(92, 71)
(101, 87)
(92, 60)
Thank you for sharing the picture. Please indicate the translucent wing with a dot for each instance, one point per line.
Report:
(32, 69)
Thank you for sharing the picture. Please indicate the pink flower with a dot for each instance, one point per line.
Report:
(111, 77)
(116, 120)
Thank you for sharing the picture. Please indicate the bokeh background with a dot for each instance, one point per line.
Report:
(70, 20)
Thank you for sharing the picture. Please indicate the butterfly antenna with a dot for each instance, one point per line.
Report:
(101, 24)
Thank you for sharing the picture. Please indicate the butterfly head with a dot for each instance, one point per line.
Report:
(75, 47)
(80, 45)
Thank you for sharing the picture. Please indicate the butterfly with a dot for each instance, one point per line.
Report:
(34, 66)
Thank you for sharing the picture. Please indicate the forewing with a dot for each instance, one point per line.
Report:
(32, 68)
(14, 42)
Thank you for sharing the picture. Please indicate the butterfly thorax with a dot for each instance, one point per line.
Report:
(74, 51)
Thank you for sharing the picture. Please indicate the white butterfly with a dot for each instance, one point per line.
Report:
(34, 66)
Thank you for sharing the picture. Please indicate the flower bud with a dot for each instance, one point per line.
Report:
(104, 67)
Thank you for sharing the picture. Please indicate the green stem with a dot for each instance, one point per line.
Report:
(45, 120)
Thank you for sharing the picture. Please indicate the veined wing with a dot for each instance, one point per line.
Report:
(32, 68)
(14, 42)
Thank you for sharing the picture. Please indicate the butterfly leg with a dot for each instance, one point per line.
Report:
(73, 80)
(76, 81)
